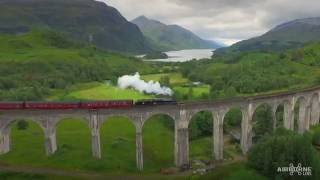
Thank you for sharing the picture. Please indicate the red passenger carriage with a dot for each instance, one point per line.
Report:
(51, 105)
(11, 105)
(67, 105)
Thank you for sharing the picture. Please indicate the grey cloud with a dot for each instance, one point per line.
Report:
(219, 3)
(220, 19)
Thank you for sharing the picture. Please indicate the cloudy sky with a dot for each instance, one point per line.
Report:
(226, 21)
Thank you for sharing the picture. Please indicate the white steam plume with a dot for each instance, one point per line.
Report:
(137, 83)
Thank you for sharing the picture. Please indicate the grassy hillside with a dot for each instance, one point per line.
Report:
(34, 63)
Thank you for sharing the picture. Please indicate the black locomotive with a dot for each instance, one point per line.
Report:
(153, 102)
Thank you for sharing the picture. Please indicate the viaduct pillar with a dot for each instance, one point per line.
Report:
(182, 139)
(50, 140)
(315, 111)
(218, 135)
(307, 119)
(246, 129)
(274, 117)
(4, 140)
(289, 114)
(139, 148)
(304, 116)
(95, 134)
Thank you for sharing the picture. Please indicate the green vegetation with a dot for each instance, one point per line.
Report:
(281, 149)
(201, 125)
(182, 87)
(22, 125)
(201, 149)
(118, 149)
(32, 64)
(74, 146)
(254, 73)
(235, 171)
(35, 176)
(158, 152)
(174, 78)
(233, 119)
(309, 55)
(316, 138)
(262, 122)
(156, 55)
(101, 91)
(188, 92)
(98, 91)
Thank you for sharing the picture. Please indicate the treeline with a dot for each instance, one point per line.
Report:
(285, 148)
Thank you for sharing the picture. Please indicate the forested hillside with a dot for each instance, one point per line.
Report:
(34, 63)
(250, 73)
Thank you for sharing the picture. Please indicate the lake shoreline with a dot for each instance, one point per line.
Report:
(183, 55)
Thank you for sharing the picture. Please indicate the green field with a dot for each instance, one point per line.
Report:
(117, 145)
(74, 147)
(175, 78)
(99, 91)
(105, 91)
(181, 85)
(201, 149)
(196, 92)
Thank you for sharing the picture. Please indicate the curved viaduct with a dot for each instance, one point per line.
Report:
(309, 112)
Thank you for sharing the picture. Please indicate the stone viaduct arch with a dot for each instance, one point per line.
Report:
(181, 114)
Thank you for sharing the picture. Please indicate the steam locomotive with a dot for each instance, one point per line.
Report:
(119, 104)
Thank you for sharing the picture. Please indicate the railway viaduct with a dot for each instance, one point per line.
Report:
(309, 112)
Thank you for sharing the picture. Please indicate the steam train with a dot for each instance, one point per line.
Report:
(119, 104)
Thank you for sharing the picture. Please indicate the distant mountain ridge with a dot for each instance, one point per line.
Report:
(293, 34)
(171, 37)
(87, 20)
(314, 21)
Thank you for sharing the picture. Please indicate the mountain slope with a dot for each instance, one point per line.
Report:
(285, 36)
(87, 20)
(171, 37)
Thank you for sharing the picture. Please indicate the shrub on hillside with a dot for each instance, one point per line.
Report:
(22, 125)
(280, 150)
(201, 125)
(316, 138)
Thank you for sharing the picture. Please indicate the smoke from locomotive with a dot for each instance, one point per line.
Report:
(140, 85)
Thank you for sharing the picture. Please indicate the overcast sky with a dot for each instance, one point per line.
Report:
(226, 21)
